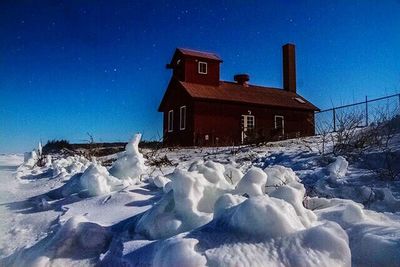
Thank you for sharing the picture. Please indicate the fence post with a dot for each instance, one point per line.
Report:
(334, 119)
(399, 103)
(366, 111)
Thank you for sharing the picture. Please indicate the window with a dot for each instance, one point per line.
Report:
(170, 121)
(250, 122)
(202, 67)
(182, 121)
(280, 123)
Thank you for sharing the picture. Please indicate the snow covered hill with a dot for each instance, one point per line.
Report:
(281, 204)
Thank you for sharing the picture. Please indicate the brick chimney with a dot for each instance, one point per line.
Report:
(289, 68)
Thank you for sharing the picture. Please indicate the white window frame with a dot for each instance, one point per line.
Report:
(283, 122)
(170, 121)
(199, 69)
(182, 110)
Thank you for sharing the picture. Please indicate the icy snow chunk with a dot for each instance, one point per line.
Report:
(270, 217)
(160, 181)
(294, 194)
(97, 180)
(212, 171)
(30, 158)
(131, 165)
(252, 183)
(338, 168)
(179, 252)
(279, 175)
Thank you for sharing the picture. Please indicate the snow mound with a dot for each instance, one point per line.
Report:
(131, 165)
(189, 202)
(69, 166)
(270, 217)
(256, 231)
(279, 175)
(97, 180)
(338, 168)
(252, 183)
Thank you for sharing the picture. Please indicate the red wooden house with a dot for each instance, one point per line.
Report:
(199, 109)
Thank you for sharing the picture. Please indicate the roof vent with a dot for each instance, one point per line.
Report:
(242, 79)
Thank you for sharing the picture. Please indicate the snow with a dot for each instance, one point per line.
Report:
(338, 168)
(131, 164)
(282, 204)
(97, 180)
(252, 183)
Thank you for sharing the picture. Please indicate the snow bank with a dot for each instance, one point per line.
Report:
(131, 165)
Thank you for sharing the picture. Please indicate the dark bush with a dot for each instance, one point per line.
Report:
(55, 146)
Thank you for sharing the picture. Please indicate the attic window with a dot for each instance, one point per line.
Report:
(202, 67)
(298, 99)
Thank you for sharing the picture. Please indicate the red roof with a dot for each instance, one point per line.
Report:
(251, 94)
(195, 53)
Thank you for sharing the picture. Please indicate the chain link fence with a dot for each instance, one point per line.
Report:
(368, 112)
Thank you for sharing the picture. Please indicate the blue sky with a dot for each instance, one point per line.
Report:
(72, 67)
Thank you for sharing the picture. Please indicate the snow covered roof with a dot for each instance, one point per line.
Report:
(251, 94)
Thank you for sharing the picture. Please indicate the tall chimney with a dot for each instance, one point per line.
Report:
(289, 67)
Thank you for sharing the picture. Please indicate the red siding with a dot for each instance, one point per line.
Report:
(221, 122)
(174, 100)
(192, 75)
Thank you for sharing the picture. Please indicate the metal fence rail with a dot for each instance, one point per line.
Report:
(369, 111)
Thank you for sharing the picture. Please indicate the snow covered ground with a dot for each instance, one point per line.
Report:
(281, 204)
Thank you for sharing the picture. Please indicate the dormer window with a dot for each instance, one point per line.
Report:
(202, 67)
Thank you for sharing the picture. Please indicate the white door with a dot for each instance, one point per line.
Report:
(247, 125)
